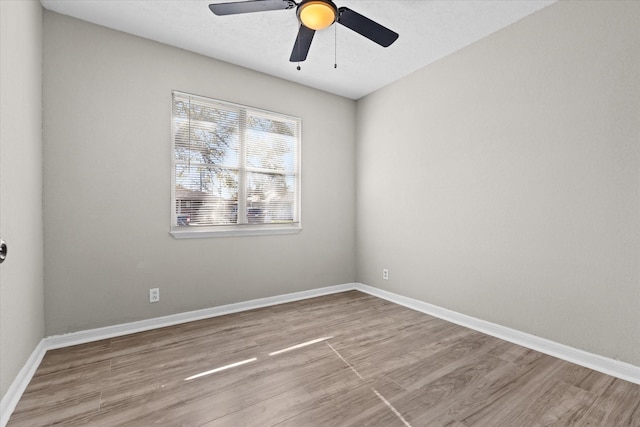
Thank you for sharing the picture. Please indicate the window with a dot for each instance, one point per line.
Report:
(235, 169)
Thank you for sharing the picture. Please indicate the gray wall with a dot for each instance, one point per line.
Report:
(503, 182)
(21, 288)
(107, 110)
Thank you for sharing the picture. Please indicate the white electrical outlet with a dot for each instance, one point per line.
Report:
(385, 274)
(154, 295)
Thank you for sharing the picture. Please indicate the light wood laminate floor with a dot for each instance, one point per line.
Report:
(348, 359)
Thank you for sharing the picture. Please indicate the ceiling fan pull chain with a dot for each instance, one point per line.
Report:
(298, 44)
(335, 46)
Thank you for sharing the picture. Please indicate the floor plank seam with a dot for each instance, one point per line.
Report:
(385, 401)
(390, 406)
(345, 361)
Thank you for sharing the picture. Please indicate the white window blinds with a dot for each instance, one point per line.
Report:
(234, 167)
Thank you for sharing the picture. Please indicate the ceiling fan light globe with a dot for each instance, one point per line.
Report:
(317, 15)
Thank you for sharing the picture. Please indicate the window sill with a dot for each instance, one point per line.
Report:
(207, 232)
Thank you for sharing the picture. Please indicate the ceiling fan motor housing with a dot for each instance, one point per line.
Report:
(317, 14)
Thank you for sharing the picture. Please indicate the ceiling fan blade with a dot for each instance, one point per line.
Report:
(234, 8)
(302, 45)
(366, 27)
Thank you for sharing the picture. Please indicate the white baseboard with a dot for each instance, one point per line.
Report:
(20, 383)
(82, 337)
(602, 364)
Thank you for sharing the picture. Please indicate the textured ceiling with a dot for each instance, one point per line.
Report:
(429, 30)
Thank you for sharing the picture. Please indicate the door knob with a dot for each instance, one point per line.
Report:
(3, 250)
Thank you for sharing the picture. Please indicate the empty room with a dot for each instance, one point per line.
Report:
(319, 213)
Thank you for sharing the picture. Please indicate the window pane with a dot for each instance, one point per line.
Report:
(206, 195)
(270, 198)
(271, 144)
(205, 134)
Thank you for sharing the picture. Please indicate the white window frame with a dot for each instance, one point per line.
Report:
(242, 229)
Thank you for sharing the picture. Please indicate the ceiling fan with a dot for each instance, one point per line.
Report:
(313, 15)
